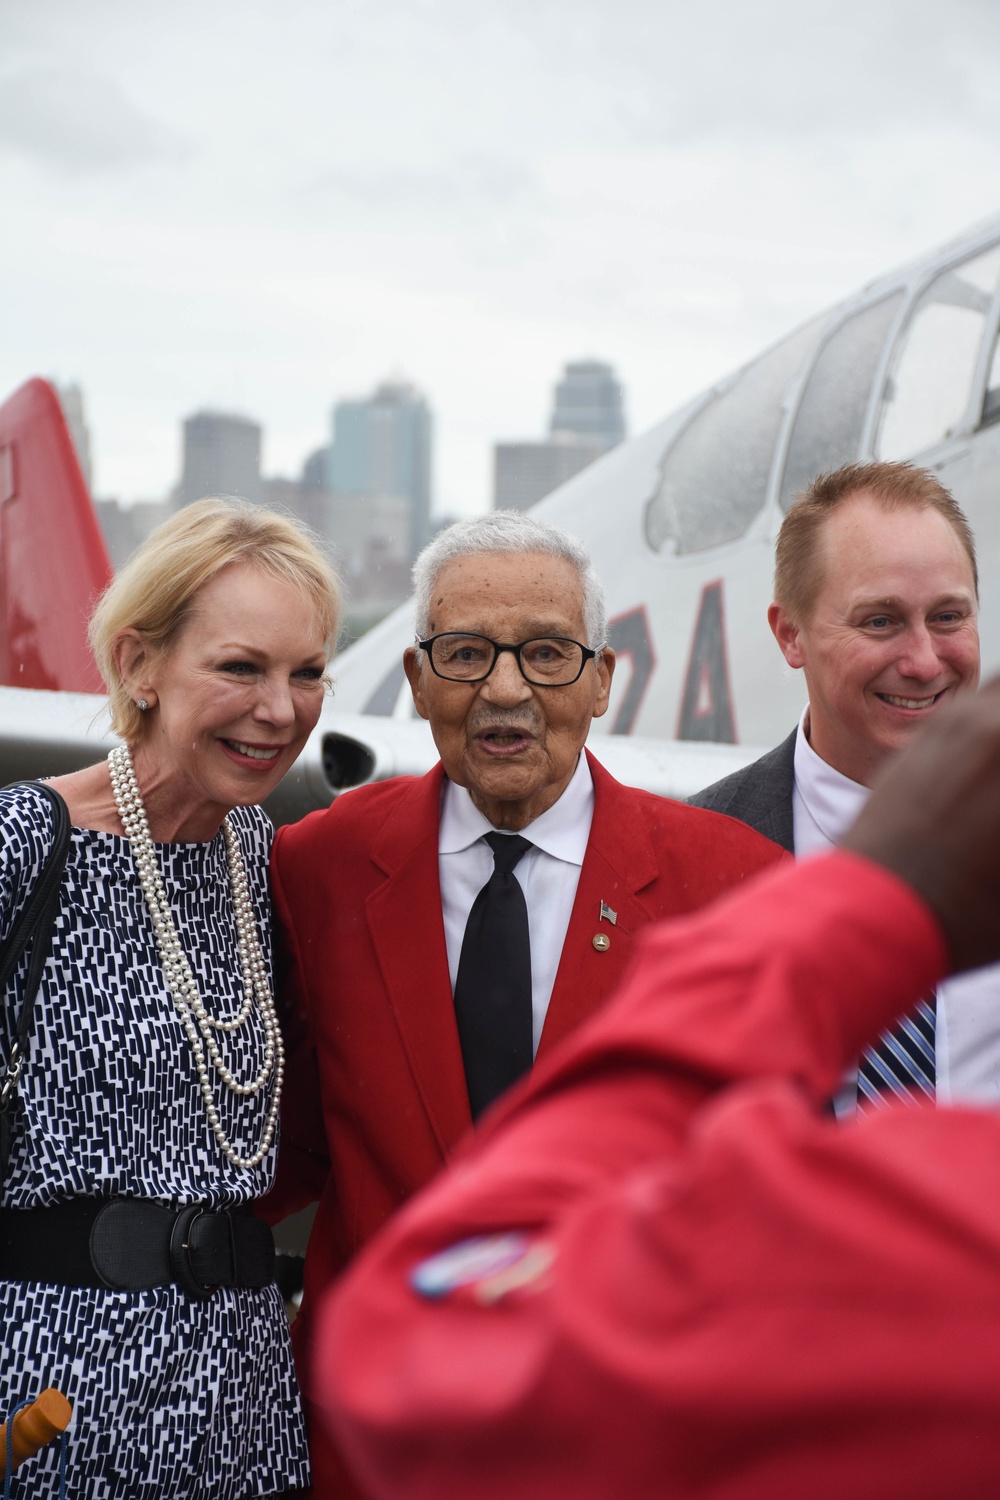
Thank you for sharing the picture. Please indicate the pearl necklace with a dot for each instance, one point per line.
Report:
(196, 1020)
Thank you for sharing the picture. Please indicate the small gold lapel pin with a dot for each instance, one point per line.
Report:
(601, 942)
(607, 915)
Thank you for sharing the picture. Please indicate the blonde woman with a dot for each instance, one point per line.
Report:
(135, 1277)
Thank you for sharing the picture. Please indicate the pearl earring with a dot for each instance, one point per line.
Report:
(141, 705)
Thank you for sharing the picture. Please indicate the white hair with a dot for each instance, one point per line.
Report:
(509, 531)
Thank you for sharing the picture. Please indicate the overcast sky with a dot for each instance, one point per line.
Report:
(268, 205)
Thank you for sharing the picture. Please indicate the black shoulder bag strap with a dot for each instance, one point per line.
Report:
(36, 921)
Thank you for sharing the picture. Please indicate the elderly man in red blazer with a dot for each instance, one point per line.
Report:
(438, 933)
(662, 1272)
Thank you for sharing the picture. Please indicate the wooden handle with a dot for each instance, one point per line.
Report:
(46, 1417)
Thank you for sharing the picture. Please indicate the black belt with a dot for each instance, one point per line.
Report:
(130, 1243)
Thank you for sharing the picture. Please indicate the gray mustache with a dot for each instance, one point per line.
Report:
(504, 721)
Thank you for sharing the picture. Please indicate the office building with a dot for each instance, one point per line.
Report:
(381, 449)
(315, 470)
(291, 497)
(523, 473)
(588, 404)
(587, 419)
(221, 457)
(125, 528)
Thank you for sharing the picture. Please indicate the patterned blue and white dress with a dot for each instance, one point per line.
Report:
(172, 1397)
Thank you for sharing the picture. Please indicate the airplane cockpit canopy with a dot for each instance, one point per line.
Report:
(713, 479)
(927, 389)
(817, 386)
(830, 421)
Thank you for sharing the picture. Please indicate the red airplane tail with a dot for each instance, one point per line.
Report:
(53, 560)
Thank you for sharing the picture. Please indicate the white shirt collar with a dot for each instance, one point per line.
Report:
(832, 800)
(562, 830)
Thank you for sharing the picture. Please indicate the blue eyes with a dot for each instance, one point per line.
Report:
(885, 622)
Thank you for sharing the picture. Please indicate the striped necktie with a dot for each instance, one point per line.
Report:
(900, 1067)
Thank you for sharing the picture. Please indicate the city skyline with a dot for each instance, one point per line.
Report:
(239, 207)
(73, 395)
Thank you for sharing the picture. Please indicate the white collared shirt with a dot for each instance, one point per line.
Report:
(548, 874)
(824, 803)
(967, 1033)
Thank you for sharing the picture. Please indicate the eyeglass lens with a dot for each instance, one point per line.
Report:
(467, 657)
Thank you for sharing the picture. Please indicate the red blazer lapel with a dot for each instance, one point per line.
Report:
(620, 861)
(407, 932)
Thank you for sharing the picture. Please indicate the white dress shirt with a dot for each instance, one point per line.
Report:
(548, 874)
(967, 1030)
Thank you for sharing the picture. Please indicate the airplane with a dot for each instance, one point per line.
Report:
(680, 520)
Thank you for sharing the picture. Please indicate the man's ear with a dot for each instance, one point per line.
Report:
(134, 662)
(605, 664)
(787, 634)
(414, 676)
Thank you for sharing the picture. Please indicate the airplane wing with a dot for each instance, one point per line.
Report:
(347, 750)
(50, 733)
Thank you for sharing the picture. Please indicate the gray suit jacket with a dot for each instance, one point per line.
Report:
(759, 795)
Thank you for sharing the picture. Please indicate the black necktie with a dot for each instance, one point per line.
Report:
(901, 1064)
(493, 986)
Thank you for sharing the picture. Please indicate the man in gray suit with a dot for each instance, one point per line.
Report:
(876, 601)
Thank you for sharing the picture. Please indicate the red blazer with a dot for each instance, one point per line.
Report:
(375, 1097)
(730, 1297)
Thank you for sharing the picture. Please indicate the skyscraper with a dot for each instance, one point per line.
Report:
(588, 403)
(587, 420)
(381, 449)
(221, 457)
(524, 473)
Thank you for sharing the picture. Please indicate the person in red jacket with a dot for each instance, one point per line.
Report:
(411, 1000)
(660, 1271)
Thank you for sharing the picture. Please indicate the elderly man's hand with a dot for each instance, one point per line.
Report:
(934, 819)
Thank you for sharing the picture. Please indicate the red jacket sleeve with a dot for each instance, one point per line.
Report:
(722, 1294)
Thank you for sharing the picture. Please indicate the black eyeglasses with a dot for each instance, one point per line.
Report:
(544, 661)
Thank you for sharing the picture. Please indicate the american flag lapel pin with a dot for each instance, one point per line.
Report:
(607, 915)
